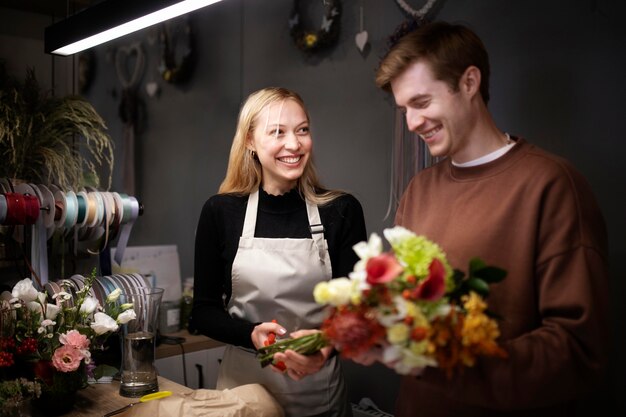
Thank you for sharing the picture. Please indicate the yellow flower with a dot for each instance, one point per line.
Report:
(420, 348)
(474, 303)
(477, 327)
(398, 333)
(310, 39)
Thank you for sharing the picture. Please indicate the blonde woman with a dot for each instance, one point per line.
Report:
(262, 244)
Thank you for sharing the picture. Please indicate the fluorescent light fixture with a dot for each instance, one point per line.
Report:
(111, 19)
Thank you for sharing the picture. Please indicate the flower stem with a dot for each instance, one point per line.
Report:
(304, 345)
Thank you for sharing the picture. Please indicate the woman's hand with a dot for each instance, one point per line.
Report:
(262, 332)
(299, 366)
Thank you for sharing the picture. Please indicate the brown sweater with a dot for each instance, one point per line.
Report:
(534, 215)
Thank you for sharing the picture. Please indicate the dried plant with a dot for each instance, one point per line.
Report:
(48, 139)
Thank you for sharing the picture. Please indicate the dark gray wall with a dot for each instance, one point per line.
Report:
(557, 79)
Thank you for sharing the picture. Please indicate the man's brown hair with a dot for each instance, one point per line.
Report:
(448, 48)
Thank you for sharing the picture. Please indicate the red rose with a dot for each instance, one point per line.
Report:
(381, 269)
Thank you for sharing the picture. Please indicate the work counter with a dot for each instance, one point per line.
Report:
(99, 399)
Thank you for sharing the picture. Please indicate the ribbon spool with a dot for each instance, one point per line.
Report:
(71, 210)
(81, 217)
(38, 245)
(59, 205)
(129, 215)
(95, 218)
(48, 208)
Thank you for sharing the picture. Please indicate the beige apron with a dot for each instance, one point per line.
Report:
(274, 279)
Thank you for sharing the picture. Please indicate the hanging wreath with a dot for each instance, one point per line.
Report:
(417, 19)
(309, 40)
(416, 14)
(172, 71)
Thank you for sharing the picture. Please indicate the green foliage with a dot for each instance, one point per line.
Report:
(479, 277)
(46, 139)
(12, 392)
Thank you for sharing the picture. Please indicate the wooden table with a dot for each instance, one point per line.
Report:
(99, 399)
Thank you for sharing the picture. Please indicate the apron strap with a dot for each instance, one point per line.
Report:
(249, 222)
(317, 229)
(315, 222)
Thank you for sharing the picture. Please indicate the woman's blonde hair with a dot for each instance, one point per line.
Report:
(245, 173)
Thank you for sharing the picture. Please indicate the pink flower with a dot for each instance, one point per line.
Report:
(433, 287)
(74, 339)
(382, 268)
(67, 359)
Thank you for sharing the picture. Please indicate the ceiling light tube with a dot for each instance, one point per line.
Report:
(111, 19)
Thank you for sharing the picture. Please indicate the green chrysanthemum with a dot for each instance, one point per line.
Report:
(416, 253)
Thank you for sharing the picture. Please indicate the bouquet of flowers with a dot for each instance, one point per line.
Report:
(409, 303)
(52, 340)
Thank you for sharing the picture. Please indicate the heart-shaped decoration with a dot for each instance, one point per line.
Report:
(361, 40)
(129, 61)
(152, 89)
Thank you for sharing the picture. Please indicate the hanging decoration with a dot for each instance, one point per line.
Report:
(129, 65)
(361, 37)
(172, 36)
(416, 14)
(311, 40)
(409, 154)
(416, 19)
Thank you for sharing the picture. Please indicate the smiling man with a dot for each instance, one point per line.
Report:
(516, 206)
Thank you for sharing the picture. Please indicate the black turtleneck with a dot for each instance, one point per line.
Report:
(284, 216)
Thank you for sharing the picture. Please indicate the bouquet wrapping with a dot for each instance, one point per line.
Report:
(409, 304)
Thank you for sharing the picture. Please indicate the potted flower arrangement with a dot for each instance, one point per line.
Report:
(52, 340)
(48, 139)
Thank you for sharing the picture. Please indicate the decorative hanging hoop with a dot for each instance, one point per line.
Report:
(172, 71)
(417, 14)
(309, 40)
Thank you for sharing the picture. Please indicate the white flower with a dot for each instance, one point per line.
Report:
(397, 235)
(389, 318)
(366, 250)
(45, 323)
(115, 294)
(412, 363)
(89, 305)
(52, 310)
(25, 291)
(335, 292)
(62, 295)
(126, 306)
(404, 361)
(102, 324)
(126, 316)
(34, 307)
